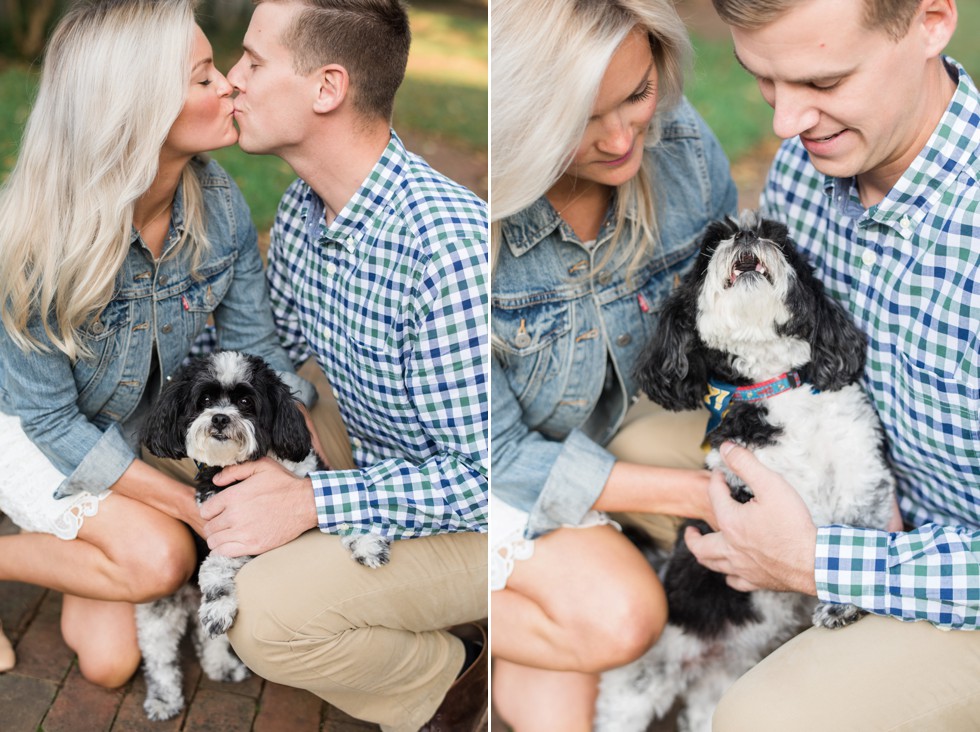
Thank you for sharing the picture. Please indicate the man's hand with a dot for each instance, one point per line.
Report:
(767, 543)
(268, 508)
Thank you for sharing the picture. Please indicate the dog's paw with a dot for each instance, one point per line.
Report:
(228, 668)
(370, 550)
(158, 709)
(831, 615)
(218, 616)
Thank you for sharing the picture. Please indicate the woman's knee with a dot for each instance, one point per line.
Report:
(103, 638)
(107, 671)
(631, 623)
(161, 563)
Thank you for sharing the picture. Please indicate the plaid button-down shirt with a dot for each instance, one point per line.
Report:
(907, 271)
(391, 299)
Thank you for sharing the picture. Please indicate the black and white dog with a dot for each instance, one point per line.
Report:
(220, 410)
(751, 333)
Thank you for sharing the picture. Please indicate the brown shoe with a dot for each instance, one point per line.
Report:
(465, 707)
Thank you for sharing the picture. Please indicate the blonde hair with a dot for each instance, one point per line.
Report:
(114, 79)
(549, 57)
(894, 17)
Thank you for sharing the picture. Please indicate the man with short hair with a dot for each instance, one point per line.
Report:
(378, 271)
(877, 180)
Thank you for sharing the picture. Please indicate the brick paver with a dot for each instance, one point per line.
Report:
(46, 693)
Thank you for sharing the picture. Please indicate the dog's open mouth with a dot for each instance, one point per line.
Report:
(747, 263)
(219, 436)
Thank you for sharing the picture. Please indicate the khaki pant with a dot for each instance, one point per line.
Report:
(371, 642)
(878, 674)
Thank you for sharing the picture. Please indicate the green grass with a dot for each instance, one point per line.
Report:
(444, 96)
(727, 96)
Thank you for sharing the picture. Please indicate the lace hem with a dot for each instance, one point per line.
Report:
(509, 544)
(67, 525)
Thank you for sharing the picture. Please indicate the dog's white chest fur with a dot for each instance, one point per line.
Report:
(829, 444)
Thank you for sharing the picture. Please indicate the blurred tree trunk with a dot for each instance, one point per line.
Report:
(28, 21)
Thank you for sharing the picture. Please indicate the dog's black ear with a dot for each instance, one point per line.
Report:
(672, 370)
(290, 439)
(164, 430)
(837, 347)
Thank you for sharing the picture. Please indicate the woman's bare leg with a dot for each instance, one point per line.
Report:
(586, 601)
(103, 636)
(127, 552)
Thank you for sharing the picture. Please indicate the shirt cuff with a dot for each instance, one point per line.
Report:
(334, 493)
(574, 483)
(102, 466)
(851, 565)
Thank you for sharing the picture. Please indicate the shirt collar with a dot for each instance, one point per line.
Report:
(374, 194)
(950, 148)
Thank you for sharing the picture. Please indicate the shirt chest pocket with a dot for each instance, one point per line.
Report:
(105, 340)
(204, 294)
(532, 344)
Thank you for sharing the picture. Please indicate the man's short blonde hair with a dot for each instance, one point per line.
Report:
(894, 17)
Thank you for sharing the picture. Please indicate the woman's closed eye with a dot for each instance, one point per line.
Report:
(645, 93)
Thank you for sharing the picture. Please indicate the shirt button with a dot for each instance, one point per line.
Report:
(522, 340)
(356, 442)
(166, 328)
(624, 339)
(163, 279)
(98, 327)
(869, 258)
(331, 268)
(605, 278)
(906, 222)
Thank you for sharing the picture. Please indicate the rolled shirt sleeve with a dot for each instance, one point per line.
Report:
(556, 481)
(931, 573)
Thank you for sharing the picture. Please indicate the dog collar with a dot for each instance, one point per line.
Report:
(721, 395)
(205, 471)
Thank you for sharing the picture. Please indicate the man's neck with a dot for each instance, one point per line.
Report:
(874, 185)
(336, 165)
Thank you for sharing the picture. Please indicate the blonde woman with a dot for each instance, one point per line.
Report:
(603, 180)
(117, 242)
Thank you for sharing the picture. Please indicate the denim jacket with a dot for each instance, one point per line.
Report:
(560, 316)
(84, 415)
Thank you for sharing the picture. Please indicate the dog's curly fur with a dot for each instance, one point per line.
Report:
(750, 310)
(223, 409)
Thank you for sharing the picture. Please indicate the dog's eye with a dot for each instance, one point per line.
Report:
(205, 401)
(245, 402)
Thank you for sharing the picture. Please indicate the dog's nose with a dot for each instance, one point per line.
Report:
(220, 420)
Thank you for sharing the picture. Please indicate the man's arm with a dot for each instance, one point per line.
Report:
(932, 573)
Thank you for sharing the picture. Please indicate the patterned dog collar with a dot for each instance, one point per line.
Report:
(721, 395)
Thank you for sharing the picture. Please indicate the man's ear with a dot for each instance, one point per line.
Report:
(334, 86)
(937, 20)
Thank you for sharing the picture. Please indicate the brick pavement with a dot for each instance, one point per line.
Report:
(46, 693)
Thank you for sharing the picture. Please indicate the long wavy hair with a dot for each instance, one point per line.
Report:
(549, 57)
(114, 79)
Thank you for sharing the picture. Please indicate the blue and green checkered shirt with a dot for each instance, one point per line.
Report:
(908, 271)
(391, 299)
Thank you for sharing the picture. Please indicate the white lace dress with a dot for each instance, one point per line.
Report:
(27, 484)
(507, 542)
